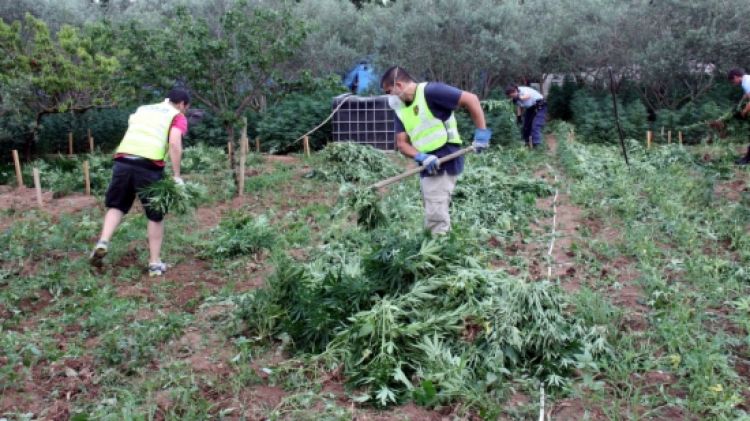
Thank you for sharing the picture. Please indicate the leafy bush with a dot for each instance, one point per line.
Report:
(318, 297)
(294, 115)
(167, 196)
(412, 316)
(459, 329)
(209, 129)
(488, 201)
(107, 126)
(416, 309)
(354, 163)
(7, 174)
(366, 202)
(201, 158)
(500, 117)
(63, 175)
(239, 233)
(693, 120)
(559, 99)
(207, 165)
(594, 117)
(13, 133)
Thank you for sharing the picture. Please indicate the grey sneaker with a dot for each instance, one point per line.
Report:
(157, 269)
(97, 255)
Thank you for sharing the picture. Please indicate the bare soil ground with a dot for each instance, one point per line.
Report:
(50, 389)
(15, 201)
(734, 189)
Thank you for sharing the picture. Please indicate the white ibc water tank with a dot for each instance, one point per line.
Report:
(364, 120)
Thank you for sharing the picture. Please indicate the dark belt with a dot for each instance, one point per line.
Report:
(131, 158)
(138, 161)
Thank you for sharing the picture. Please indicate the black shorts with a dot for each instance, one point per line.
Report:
(127, 181)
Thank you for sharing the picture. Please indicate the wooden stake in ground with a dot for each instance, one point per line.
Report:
(91, 143)
(679, 136)
(669, 137)
(257, 144)
(617, 116)
(17, 163)
(70, 143)
(306, 145)
(244, 146)
(86, 178)
(649, 138)
(38, 187)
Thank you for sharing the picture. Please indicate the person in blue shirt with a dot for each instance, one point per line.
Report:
(737, 76)
(426, 130)
(531, 104)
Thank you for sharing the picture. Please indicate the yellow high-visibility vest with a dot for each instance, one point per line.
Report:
(426, 132)
(148, 131)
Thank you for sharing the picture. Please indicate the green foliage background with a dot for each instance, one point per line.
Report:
(272, 62)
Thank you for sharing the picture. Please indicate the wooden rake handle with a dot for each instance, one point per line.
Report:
(419, 169)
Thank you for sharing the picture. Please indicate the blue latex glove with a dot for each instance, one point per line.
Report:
(429, 162)
(481, 139)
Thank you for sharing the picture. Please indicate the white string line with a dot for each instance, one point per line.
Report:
(549, 272)
(554, 227)
(327, 118)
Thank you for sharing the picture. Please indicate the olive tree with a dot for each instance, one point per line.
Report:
(44, 74)
(230, 62)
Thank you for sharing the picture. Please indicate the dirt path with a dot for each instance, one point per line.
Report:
(620, 274)
(548, 259)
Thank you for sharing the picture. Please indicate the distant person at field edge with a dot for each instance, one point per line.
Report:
(426, 130)
(737, 76)
(154, 131)
(531, 104)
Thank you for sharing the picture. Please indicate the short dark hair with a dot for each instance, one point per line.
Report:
(395, 74)
(177, 95)
(511, 88)
(733, 73)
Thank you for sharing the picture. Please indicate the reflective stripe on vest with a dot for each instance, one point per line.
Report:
(426, 132)
(148, 131)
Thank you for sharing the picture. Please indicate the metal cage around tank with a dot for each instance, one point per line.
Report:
(364, 120)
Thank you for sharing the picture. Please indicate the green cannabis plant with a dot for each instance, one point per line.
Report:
(166, 195)
(239, 233)
(353, 163)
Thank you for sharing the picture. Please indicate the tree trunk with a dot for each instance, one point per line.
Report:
(31, 138)
(230, 138)
(28, 146)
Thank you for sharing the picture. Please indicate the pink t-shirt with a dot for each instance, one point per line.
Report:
(180, 123)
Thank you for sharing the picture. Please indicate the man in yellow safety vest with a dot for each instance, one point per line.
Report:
(426, 131)
(154, 131)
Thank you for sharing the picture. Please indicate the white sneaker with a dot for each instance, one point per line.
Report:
(157, 269)
(97, 255)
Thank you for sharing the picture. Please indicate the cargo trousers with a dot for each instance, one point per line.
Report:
(436, 196)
